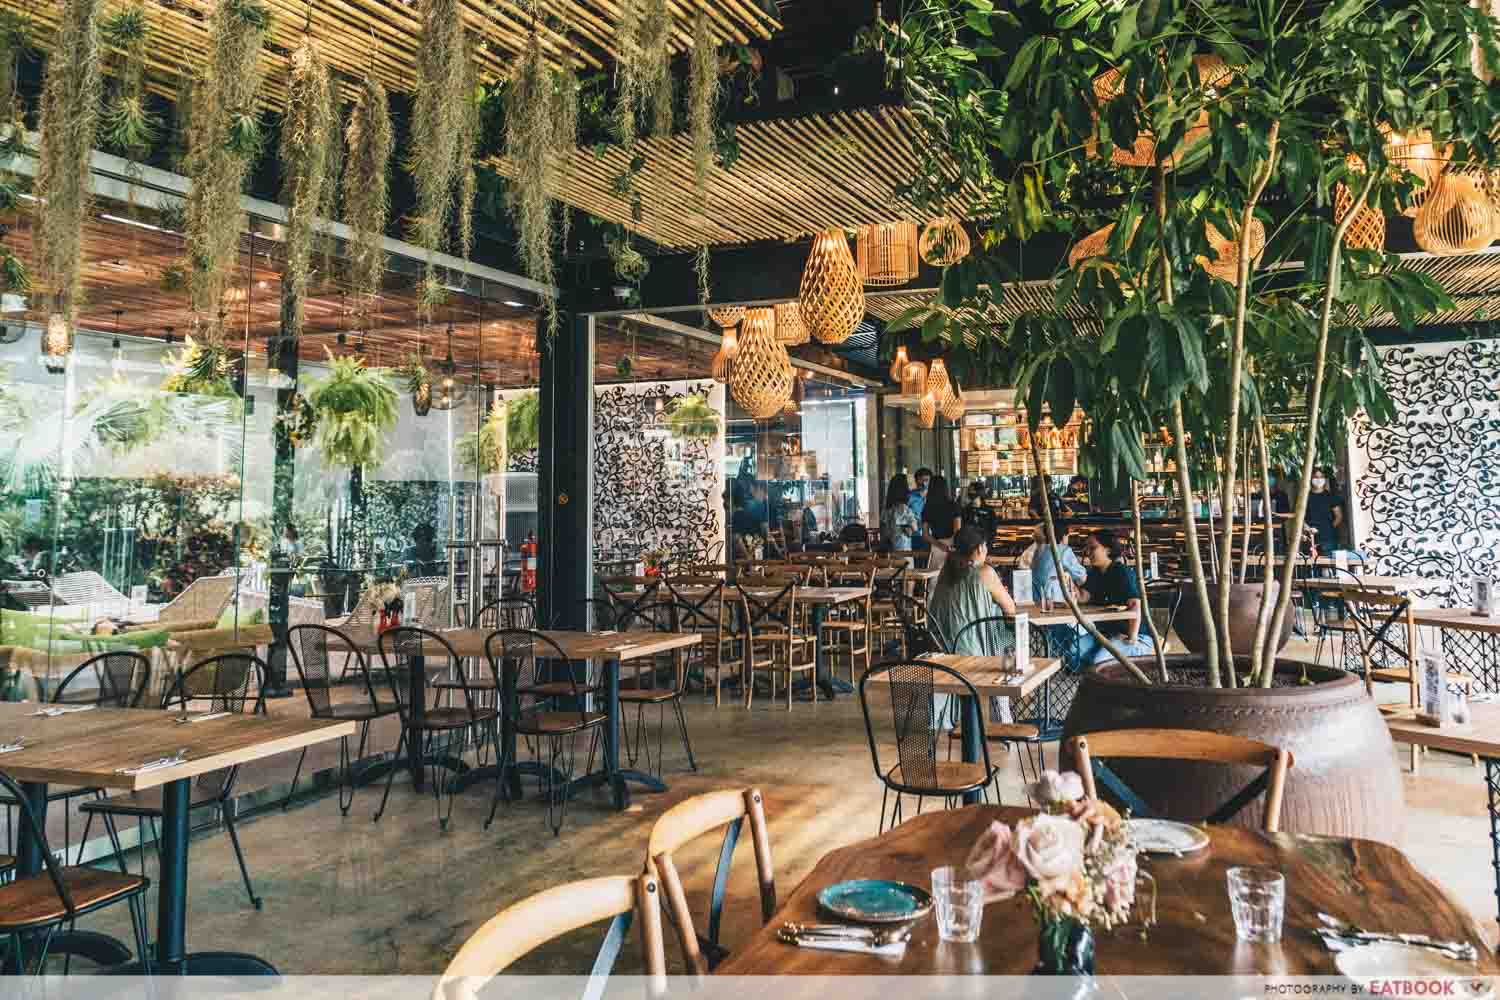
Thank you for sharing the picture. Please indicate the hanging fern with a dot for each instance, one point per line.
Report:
(304, 147)
(483, 451)
(523, 422)
(69, 123)
(367, 189)
(692, 419)
(703, 102)
(439, 113)
(530, 142)
(129, 127)
(355, 408)
(224, 140)
(199, 369)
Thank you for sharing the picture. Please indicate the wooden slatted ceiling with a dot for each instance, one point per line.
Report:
(381, 36)
(794, 177)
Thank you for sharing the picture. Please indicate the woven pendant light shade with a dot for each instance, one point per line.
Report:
(1367, 231)
(1142, 153)
(927, 409)
(899, 363)
(1419, 155)
(761, 380)
(790, 329)
(723, 363)
(421, 399)
(952, 405)
(1095, 243)
(886, 253)
(727, 316)
(57, 343)
(832, 300)
(1456, 218)
(944, 242)
(938, 385)
(914, 379)
(1225, 262)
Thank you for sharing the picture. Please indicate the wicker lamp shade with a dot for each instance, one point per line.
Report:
(723, 363)
(938, 384)
(927, 409)
(761, 379)
(1095, 243)
(832, 300)
(1418, 154)
(727, 316)
(790, 329)
(914, 379)
(1110, 84)
(899, 363)
(1456, 218)
(1225, 262)
(1367, 231)
(421, 398)
(57, 343)
(886, 253)
(944, 242)
(952, 405)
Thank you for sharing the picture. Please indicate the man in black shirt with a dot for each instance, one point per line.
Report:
(1110, 581)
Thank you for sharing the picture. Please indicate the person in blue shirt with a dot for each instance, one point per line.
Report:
(1045, 582)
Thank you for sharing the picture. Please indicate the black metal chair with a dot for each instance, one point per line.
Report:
(915, 729)
(507, 612)
(1031, 721)
(666, 617)
(229, 682)
(916, 638)
(308, 645)
(1164, 601)
(47, 901)
(120, 680)
(441, 731)
(527, 663)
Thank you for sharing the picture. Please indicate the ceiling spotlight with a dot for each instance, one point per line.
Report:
(515, 305)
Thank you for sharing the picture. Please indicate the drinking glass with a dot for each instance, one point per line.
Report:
(959, 901)
(1257, 898)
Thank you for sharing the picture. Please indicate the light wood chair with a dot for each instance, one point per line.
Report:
(686, 822)
(708, 609)
(849, 628)
(1184, 744)
(776, 638)
(525, 926)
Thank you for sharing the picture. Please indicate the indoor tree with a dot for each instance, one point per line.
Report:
(1214, 138)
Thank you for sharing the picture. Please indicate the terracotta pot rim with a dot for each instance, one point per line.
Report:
(1326, 680)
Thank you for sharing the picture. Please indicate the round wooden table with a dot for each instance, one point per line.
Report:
(1361, 881)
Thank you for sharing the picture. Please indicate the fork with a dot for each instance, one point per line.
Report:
(1460, 950)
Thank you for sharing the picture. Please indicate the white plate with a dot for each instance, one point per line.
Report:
(1386, 960)
(1165, 836)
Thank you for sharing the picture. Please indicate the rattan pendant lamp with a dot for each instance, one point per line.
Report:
(833, 302)
(1096, 243)
(790, 329)
(723, 362)
(761, 378)
(914, 379)
(938, 384)
(1367, 231)
(953, 404)
(927, 409)
(944, 242)
(886, 254)
(899, 363)
(1418, 154)
(1456, 218)
(1225, 262)
(1110, 85)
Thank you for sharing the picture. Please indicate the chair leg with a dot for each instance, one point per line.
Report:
(138, 925)
(687, 743)
(239, 855)
(296, 776)
(114, 840)
(346, 772)
(502, 761)
(390, 776)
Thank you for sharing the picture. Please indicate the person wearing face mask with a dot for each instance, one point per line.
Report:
(1110, 581)
(1325, 510)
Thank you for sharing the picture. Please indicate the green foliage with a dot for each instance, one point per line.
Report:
(367, 203)
(692, 419)
(441, 117)
(306, 128)
(522, 428)
(200, 368)
(703, 101)
(356, 408)
(483, 451)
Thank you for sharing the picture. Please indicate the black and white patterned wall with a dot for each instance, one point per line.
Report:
(1426, 488)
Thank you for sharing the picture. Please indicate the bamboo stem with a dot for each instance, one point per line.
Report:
(1314, 404)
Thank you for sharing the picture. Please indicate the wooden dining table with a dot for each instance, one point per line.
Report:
(608, 648)
(90, 748)
(1470, 642)
(1370, 884)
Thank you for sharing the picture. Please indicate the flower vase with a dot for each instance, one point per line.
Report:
(1065, 947)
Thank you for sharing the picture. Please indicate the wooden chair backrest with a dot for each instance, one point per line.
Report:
(525, 926)
(1374, 612)
(686, 822)
(1191, 744)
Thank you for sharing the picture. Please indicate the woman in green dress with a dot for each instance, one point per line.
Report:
(967, 590)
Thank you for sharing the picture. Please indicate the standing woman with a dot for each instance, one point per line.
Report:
(897, 522)
(941, 519)
(1325, 509)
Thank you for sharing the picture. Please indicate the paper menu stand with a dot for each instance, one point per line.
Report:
(1020, 585)
(1341, 560)
(1432, 688)
(1023, 643)
(1483, 590)
(1154, 571)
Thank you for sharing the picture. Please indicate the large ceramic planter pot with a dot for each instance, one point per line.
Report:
(1244, 608)
(1344, 780)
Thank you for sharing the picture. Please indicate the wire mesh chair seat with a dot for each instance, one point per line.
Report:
(507, 612)
(229, 682)
(915, 726)
(661, 618)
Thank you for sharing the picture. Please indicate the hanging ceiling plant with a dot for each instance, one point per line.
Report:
(440, 116)
(224, 140)
(630, 70)
(355, 408)
(417, 377)
(70, 119)
(200, 369)
(367, 202)
(703, 102)
(566, 97)
(483, 451)
(304, 149)
(531, 143)
(523, 422)
(333, 172)
(13, 274)
(129, 127)
(468, 184)
(656, 55)
(692, 419)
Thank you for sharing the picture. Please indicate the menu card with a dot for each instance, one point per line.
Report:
(1433, 688)
(1484, 595)
(1023, 643)
(1020, 586)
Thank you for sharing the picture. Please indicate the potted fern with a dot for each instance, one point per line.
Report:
(692, 419)
(353, 408)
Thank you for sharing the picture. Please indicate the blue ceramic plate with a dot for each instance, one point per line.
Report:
(875, 901)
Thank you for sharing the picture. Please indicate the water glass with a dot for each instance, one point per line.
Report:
(1257, 898)
(959, 901)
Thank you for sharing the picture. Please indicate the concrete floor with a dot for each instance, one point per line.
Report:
(344, 895)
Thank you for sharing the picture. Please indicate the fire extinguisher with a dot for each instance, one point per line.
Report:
(528, 563)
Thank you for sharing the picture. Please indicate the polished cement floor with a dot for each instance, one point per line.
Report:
(345, 895)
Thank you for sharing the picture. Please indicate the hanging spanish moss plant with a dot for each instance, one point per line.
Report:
(530, 142)
(13, 35)
(565, 138)
(656, 56)
(468, 185)
(630, 69)
(367, 191)
(129, 127)
(225, 139)
(179, 142)
(700, 268)
(439, 113)
(305, 129)
(13, 274)
(703, 101)
(333, 172)
(69, 122)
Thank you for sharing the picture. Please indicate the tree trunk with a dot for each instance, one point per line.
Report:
(1140, 577)
(1262, 619)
